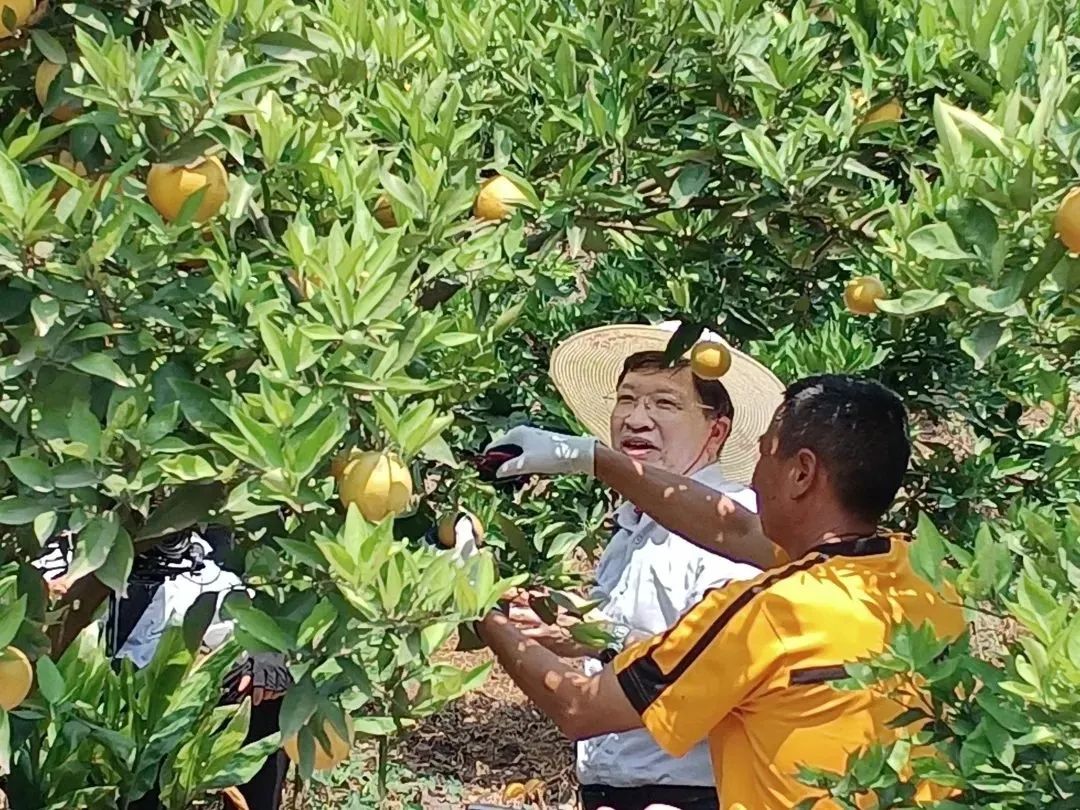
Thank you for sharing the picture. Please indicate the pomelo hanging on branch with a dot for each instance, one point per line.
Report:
(378, 483)
(21, 9)
(862, 294)
(324, 760)
(1067, 221)
(169, 187)
(16, 678)
(497, 199)
(46, 74)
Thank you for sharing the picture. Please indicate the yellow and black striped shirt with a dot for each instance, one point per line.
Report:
(749, 668)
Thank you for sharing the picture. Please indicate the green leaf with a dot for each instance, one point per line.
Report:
(256, 624)
(688, 183)
(44, 526)
(32, 472)
(927, 552)
(102, 365)
(197, 619)
(50, 48)
(253, 77)
(298, 706)
(18, 510)
(186, 467)
(116, 569)
(682, 340)
(11, 619)
(186, 506)
(49, 680)
(13, 191)
(286, 47)
(937, 241)
(93, 545)
(913, 302)
(46, 312)
(984, 340)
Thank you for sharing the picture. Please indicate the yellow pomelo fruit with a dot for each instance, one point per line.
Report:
(710, 360)
(889, 112)
(342, 461)
(497, 199)
(22, 9)
(1067, 221)
(378, 483)
(384, 212)
(447, 529)
(324, 760)
(862, 294)
(16, 678)
(169, 187)
(46, 73)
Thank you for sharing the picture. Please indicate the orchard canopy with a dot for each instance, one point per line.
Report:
(239, 238)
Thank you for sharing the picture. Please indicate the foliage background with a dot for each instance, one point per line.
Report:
(712, 160)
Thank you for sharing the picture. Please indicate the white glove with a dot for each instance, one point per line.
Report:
(466, 542)
(546, 453)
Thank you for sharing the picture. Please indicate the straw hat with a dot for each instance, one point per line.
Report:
(585, 368)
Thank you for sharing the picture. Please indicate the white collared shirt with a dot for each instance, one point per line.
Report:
(647, 578)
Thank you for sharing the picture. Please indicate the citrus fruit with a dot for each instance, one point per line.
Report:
(324, 759)
(16, 678)
(497, 199)
(448, 528)
(861, 295)
(169, 187)
(22, 9)
(378, 483)
(384, 212)
(890, 112)
(342, 461)
(46, 73)
(710, 360)
(1067, 221)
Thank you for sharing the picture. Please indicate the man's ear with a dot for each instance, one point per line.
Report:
(804, 472)
(718, 434)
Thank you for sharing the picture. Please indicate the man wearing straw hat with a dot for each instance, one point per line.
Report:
(616, 381)
(752, 666)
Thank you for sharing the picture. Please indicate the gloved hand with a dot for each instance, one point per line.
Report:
(545, 453)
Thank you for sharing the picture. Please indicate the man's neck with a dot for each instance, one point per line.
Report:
(821, 533)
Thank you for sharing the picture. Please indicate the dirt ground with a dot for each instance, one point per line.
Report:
(489, 739)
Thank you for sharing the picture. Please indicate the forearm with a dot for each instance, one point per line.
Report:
(687, 508)
(560, 691)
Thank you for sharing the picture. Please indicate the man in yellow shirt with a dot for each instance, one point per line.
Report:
(750, 666)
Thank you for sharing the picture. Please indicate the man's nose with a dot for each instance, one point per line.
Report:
(639, 415)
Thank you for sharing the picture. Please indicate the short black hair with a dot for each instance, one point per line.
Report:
(857, 428)
(712, 393)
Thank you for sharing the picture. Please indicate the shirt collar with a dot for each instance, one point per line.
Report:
(629, 517)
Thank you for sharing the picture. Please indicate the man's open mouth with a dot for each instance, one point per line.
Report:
(638, 447)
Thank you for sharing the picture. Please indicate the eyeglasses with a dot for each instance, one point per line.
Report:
(654, 404)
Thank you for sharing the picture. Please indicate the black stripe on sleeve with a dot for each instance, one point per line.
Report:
(815, 675)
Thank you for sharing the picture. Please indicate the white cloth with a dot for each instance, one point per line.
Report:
(170, 602)
(646, 579)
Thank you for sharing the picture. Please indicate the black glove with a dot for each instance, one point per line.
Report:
(267, 671)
